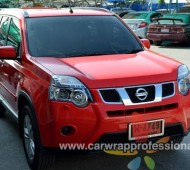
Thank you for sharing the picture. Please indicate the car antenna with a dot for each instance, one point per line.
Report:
(71, 11)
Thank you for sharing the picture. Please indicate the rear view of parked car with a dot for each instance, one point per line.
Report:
(171, 27)
(139, 21)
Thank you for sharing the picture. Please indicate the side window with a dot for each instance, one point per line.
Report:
(3, 30)
(14, 36)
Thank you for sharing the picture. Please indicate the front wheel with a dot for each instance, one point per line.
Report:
(36, 155)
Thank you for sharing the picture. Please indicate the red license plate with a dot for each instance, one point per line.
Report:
(143, 130)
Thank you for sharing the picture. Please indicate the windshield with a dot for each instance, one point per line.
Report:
(69, 36)
(135, 16)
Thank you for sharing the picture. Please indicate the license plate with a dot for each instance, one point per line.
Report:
(164, 30)
(143, 130)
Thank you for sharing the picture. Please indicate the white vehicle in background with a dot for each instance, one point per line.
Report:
(184, 9)
(139, 21)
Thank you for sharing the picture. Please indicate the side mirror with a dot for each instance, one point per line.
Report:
(7, 52)
(146, 43)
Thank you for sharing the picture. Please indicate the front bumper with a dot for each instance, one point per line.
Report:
(173, 131)
(167, 37)
(91, 123)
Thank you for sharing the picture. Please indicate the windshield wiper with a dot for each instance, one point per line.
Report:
(135, 51)
(98, 54)
(89, 54)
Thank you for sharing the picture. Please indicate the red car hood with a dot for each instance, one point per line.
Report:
(115, 70)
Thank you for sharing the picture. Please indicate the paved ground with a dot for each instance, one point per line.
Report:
(12, 155)
(177, 52)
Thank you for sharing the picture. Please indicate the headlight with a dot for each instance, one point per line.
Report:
(183, 79)
(69, 89)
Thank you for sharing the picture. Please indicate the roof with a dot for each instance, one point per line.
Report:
(42, 12)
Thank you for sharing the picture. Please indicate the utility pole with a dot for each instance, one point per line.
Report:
(170, 5)
(176, 5)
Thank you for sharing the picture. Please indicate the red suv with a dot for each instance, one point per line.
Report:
(82, 76)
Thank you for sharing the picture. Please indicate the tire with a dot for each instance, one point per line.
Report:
(2, 111)
(188, 42)
(37, 157)
(157, 43)
(176, 140)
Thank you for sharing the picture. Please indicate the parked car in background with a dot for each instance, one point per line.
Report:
(165, 11)
(119, 10)
(139, 21)
(171, 27)
(184, 9)
(121, 14)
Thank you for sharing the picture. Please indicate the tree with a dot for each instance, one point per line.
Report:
(161, 2)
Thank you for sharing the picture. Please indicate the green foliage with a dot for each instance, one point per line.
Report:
(161, 1)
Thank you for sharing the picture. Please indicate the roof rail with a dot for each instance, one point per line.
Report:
(25, 13)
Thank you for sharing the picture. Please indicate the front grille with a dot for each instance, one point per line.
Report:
(110, 95)
(167, 89)
(142, 110)
(133, 91)
(122, 137)
(137, 94)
